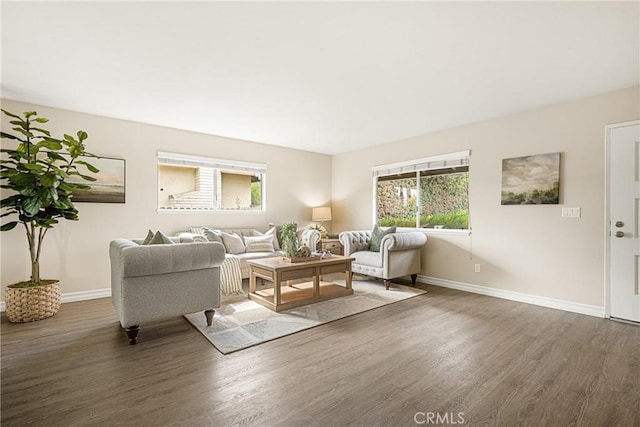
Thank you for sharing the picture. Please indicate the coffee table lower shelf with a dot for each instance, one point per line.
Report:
(298, 295)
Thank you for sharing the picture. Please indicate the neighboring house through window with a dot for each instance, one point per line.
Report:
(187, 182)
(425, 193)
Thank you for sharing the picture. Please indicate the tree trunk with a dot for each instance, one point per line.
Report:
(34, 246)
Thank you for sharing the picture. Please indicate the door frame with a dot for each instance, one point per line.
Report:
(607, 212)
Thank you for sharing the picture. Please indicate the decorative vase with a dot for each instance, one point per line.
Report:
(33, 303)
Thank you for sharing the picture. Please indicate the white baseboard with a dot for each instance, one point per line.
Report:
(78, 296)
(574, 307)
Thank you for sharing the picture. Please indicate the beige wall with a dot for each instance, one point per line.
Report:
(528, 249)
(77, 252)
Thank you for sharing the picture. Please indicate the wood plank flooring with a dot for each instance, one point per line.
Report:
(450, 353)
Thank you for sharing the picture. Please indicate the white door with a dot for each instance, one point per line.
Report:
(623, 144)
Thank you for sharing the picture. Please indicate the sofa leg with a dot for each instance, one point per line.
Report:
(387, 283)
(209, 315)
(132, 333)
(414, 277)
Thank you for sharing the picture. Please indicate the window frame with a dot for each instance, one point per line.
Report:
(222, 165)
(444, 161)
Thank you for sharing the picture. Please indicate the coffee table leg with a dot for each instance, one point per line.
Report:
(252, 280)
(276, 289)
(316, 284)
(347, 278)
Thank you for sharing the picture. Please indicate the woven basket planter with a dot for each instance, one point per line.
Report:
(31, 304)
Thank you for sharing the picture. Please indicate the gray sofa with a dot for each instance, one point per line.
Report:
(306, 237)
(400, 254)
(156, 282)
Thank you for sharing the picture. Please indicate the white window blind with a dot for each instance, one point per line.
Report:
(444, 161)
(196, 161)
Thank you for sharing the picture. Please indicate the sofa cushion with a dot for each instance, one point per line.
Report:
(259, 244)
(233, 243)
(376, 237)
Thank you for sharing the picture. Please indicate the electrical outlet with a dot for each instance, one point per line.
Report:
(570, 213)
(477, 268)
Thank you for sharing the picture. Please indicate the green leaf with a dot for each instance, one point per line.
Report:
(32, 167)
(8, 135)
(8, 226)
(41, 120)
(29, 191)
(22, 179)
(70, 139)
(44, 131)
(50, 144)
(55, 156)
(28, 114)
(87, 177)
(49, 179)
(89, 166)
(31, 205)
(24, 132)
(24, 125)
(10, 114)
(82, 135)
(81, 186)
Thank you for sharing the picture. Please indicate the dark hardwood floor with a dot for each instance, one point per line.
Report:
(465, 358)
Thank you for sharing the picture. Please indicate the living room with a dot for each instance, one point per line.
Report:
(527, 253)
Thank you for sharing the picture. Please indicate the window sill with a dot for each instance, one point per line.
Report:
(209, 211)
(438, 231)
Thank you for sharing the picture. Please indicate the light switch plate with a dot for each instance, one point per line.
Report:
(570, 212)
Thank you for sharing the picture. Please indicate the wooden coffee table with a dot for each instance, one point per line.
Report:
(277, 270)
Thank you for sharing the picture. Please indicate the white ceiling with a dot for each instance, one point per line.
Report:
(328, 77)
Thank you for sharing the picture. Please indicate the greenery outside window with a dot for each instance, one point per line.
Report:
(188, 183)
(431, 193)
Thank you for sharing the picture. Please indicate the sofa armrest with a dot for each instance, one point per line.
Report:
(309, 238)
(354, 241)
(186, 237)
(132, 260)
(403, 241)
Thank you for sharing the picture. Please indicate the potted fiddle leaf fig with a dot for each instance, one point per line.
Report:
(40, 174)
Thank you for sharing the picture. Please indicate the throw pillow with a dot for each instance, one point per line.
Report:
(233, 243)
(147, 239)
(159, 239)
(376, 237)
(259, 244)
(212, 235)
(274, 232)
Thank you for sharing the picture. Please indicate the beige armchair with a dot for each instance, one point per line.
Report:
(156, 282)
(399, 254)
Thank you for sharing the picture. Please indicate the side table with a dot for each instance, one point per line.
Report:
(332, 245)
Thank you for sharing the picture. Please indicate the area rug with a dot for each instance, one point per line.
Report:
(240, 323)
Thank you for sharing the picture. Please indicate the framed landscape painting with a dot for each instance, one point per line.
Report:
(531, 180)
(110, 184)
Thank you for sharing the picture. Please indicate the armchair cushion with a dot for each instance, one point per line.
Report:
(370, 258)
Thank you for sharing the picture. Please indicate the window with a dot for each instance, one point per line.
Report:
(425, 193)
(199, 183)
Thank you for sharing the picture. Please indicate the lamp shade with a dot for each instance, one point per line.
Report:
(322, 213)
